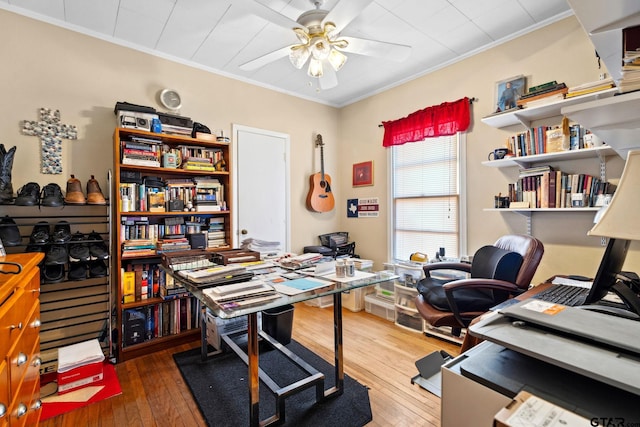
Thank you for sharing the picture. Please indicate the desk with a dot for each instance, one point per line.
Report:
(315, 378)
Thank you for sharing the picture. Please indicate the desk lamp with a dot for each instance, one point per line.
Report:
(619, 220)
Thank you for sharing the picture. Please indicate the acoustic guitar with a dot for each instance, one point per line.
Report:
(320, 197)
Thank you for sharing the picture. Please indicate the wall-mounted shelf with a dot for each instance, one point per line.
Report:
(615, 120)
(604, 23)
(525, 116)
(526, 161)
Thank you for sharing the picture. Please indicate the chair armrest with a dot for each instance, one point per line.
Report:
(460, 266)
(478, 283)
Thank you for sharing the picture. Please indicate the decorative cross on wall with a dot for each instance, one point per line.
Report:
(51, 132)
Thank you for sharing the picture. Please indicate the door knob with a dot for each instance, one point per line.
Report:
(244, 231)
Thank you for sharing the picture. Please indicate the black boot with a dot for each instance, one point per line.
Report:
(6, 163)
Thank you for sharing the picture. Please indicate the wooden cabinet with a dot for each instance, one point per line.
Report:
(167, 189)
(19, 336)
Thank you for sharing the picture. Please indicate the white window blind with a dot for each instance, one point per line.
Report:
(426, 197)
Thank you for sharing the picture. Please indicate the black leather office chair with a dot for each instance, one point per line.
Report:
(497, 272)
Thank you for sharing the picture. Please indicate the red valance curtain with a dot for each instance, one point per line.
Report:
(438, 120)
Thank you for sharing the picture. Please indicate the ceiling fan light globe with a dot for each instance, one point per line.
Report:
(337, 59)
(320, 48)
(298, 55)
(315, 68)
(302, 35)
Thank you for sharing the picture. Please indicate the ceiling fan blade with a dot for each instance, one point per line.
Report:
(329, 78)
(263, 60)
(265, 12)
(345, 11)
(395, 52)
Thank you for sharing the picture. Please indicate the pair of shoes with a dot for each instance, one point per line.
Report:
(28, 195)
(97, 247)
(9, 232)
(41, 234)
(51, 195)
(76, 197)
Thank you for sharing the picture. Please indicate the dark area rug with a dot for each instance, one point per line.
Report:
(220, 388)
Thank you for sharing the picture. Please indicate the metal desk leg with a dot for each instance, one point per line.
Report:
(254, 380)
(203, 332)
(338, 389)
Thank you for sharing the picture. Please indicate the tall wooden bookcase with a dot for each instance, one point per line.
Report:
(150, 167)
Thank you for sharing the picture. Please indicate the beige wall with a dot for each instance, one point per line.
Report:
(83, 77)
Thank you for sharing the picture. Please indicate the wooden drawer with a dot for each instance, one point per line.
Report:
(11, 320)
(22, 354)
(25, 394)
(4, 393)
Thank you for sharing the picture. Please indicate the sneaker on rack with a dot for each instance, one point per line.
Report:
(74, 194)
(57, 254)
(94, 193)
(97, 268)
(9, 232)
(40, 233)
(78, 248)
(51, 195)
(77, 271)
(53, 273)
(61, 232)
(28, 195)
(97, 247)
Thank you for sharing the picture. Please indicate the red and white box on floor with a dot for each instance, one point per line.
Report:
(79, 365)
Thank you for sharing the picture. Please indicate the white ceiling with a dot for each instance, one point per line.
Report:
(220, 35)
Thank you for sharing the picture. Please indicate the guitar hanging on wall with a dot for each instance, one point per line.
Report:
(320, 197)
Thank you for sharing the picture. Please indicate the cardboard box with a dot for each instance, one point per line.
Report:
(79, 365)
(81, 376)
(528, 410)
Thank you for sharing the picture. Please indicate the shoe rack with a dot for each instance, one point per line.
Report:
(74, 307)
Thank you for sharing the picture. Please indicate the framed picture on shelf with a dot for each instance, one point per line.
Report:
(363, 174)
(508, 92)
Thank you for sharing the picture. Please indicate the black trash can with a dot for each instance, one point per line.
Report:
(278, 323)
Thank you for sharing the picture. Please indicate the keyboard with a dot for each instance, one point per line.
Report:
(564, 294)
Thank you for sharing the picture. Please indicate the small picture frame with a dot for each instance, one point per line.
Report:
(508, 92)
(363, 174)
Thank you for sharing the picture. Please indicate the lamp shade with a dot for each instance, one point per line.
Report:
(620, 219)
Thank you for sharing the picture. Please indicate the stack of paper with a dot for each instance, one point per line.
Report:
(241, 294)
(77, 355)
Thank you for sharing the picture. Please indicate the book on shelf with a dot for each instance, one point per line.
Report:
(128, 286)
(526, 99)
(156, 200)
(140, 162)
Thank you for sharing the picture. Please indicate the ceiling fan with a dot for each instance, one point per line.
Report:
(320, 42)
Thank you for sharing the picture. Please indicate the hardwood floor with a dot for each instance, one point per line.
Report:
(377, 353)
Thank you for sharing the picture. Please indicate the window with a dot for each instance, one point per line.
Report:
(427, 203)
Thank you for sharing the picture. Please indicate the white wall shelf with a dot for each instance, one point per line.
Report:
(615, 120)
(525, 116)
(525, 161)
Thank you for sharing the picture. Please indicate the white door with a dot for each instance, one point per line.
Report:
(261, 185)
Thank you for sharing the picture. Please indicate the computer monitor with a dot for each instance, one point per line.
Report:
(607, 277)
